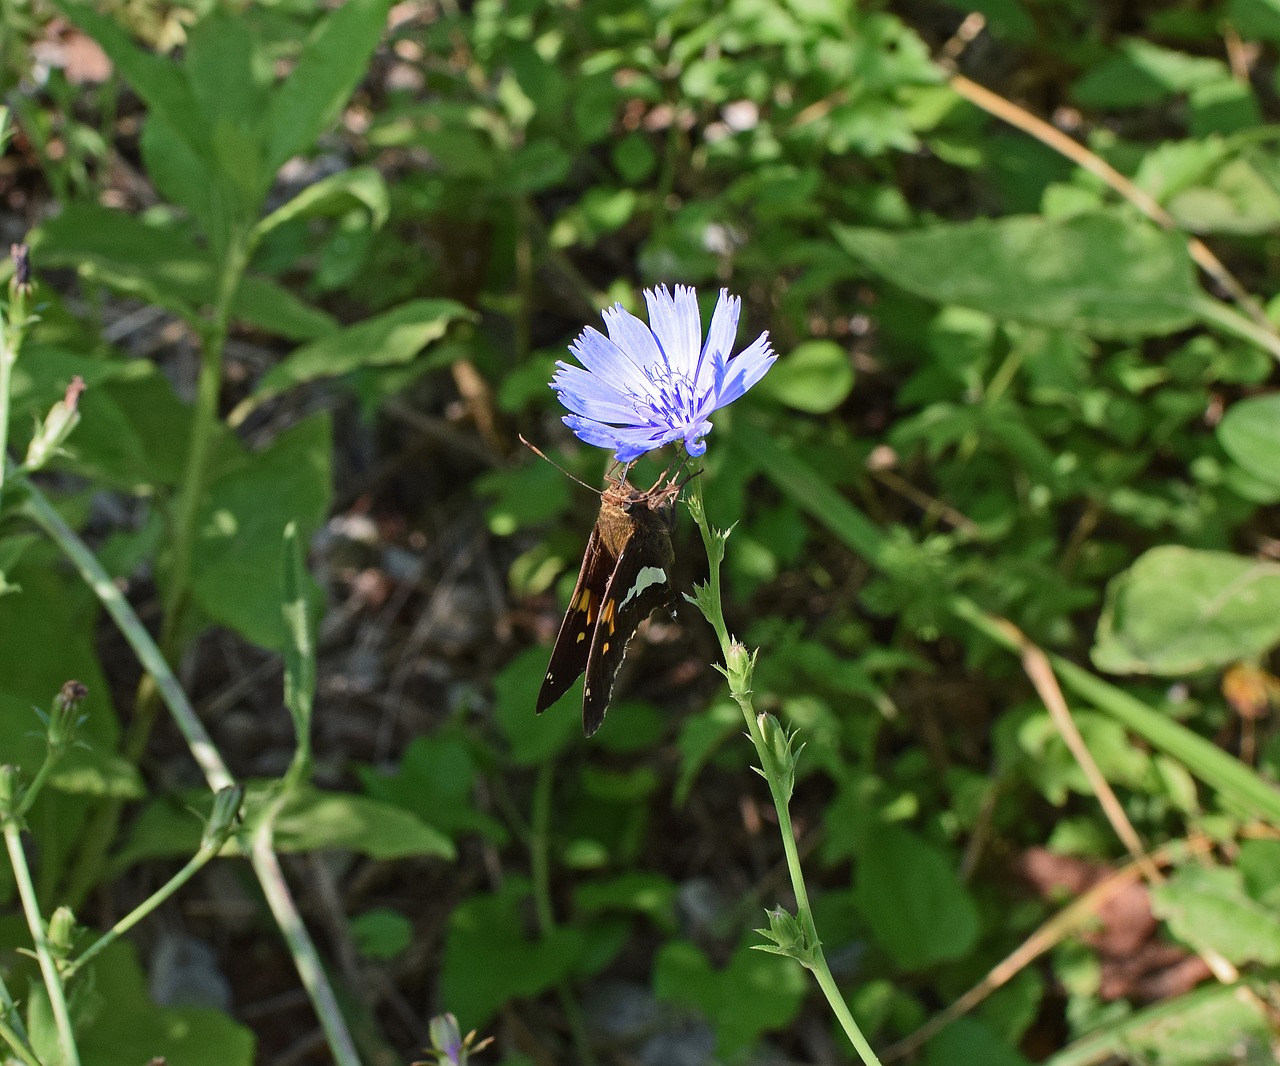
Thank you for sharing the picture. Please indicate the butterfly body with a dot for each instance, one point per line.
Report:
(625, 574)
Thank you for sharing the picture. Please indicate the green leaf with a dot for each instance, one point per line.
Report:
(488, 959)
(128, 1028)
(436, 780)
(133, 431)
(1250, 433)
(1213, 1025)
(381, 933)
(148, 258)
(1208, 908)
(332, 195)
(388, 339)
(1105, 274)
(816, 377)
(913, 899)
(263, 303)
(649, 894)
(331, 65)
(970, 1040)
(534, 738)
(312, 819)
(756, 993)
(236, 575)
(1144, 73)
(1177, 611)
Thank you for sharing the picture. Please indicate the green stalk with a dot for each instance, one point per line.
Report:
(16, 1044)
(265, 862)
(737, 669)
(48, 967)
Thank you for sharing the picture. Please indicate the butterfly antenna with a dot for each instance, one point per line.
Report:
(543, 455)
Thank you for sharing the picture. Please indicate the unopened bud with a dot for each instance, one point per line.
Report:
(739, 665)
(66, 717)
(63, 417)
(224, 817)
(62, 932)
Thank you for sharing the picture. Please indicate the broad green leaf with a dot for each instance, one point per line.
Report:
(1143, 73)
(489, 958)
(649, 894)
(46, 639)
(1101, 273)
(95, 772)
(1208, 908)
(236, 575)
(133, 431)
(1250, 433)
(150, 259)
(534, 738)
(263, 303)
(381, 933)
(815, 377)
(756, 993)
(364, 185)
(1177, 611)
(230, 74)
(332, 63)
(385, 340)
(913, 899)
(312, 819)
(970, 1040)
(1255, 20)
(1215, 1025)
(181, 176)
(436, 780)
(128, 1028)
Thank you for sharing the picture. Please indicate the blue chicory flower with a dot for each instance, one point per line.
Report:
(645, 386)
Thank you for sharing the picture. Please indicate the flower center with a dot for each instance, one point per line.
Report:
(670, 400)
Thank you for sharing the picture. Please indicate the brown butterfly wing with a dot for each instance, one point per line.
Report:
(641, 581)
(573, 643)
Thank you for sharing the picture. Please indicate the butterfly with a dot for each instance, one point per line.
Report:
(625, 574)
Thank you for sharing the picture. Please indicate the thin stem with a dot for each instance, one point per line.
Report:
(12, 330)
(48, 967)
(17, 1045)
(779, 789)
(265, 863)
(199, 860)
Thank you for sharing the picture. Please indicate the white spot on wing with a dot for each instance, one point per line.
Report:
(649, 575)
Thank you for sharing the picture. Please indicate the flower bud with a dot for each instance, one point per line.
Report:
(62, 418)
(777, 753)
(62, 932)
(66, 718)
(739, 665)
(224, 817)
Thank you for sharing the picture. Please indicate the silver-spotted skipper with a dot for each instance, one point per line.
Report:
(625, 574)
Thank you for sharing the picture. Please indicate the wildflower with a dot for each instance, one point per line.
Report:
(645, 386)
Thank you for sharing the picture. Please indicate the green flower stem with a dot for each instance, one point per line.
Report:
(48, 967)
(199, 860)
(779, 787)
(265, 862)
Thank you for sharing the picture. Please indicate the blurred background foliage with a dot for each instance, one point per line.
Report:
(335, 287)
